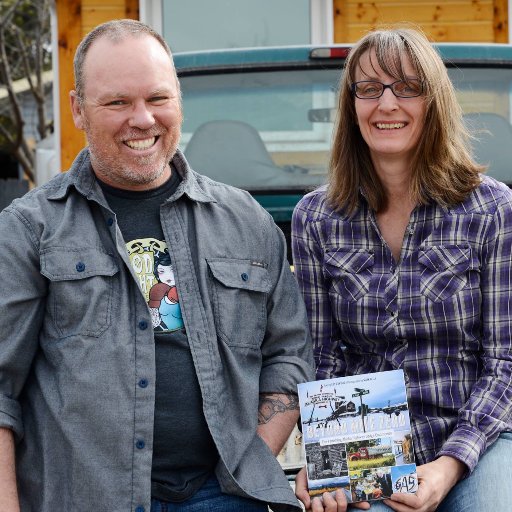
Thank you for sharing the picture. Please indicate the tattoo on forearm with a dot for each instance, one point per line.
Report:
(275, 403)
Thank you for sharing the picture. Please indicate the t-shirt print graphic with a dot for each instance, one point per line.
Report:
(152, 264)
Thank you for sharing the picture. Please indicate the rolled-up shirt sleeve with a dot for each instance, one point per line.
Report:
(22, 303)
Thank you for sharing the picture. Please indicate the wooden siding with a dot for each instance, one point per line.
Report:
(447, 20)
(75, 18)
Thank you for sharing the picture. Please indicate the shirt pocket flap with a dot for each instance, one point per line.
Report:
(353, 261)
(242, 274)
(446, 257)
(58, 264)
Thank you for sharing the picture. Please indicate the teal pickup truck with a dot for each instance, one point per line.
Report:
(261, 118)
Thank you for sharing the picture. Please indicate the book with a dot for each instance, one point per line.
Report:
(356, 434)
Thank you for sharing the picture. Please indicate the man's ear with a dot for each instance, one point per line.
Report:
(76, 110)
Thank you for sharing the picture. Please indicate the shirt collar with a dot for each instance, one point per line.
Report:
(194, 185)
(81, 177)
(430, 204)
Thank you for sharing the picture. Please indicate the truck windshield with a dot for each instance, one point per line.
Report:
(270, 131)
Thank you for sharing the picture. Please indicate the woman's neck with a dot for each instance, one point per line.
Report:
(394, 218)
(395, 178)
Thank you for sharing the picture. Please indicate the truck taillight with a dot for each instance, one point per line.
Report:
(329, 53)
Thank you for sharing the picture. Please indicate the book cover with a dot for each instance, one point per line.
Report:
(356, 436)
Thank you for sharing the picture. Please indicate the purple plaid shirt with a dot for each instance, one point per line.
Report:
(443, 313)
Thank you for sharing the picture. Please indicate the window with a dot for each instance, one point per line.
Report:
(202, 24)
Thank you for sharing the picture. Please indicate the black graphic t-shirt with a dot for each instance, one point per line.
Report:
(184, 454)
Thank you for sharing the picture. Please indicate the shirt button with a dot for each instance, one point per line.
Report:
(245, 277)
(140, 509)
(110, 221)
(80, 267)
(143, 383)
(140, 444)
(143, 325)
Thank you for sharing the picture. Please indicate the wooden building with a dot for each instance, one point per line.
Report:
(446, 20)
(75, 18)
(442, 20)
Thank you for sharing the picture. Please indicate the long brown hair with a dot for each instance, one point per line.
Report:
(443, 169)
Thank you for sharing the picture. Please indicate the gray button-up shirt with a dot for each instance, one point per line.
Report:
(77, 368)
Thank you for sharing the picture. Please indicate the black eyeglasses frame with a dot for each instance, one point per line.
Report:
(353, 88)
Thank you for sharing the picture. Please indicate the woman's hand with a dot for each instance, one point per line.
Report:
(326, 503)
(435, 481)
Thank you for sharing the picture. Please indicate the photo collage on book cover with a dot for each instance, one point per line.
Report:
(357, 436)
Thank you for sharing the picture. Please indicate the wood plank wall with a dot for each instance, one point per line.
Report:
(75, 18)
(442, 20)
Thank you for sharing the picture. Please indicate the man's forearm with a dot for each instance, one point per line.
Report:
(8, 490)
(277, 415)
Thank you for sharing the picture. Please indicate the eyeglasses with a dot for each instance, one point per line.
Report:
(371, 90)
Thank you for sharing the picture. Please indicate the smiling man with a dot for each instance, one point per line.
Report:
(151, 346)
(127, 99)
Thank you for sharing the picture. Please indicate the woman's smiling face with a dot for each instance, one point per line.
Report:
(390, 126)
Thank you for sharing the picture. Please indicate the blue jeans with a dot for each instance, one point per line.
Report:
(210, 498)
(489, 488)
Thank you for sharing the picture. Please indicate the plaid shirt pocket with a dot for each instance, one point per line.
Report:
(444, 270)
(350, 271)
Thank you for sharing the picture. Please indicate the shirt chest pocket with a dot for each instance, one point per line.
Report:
(80, 291)
(445, 270)
(350, 271)
(238, 298)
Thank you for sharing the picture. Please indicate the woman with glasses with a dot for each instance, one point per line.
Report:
(405, 261)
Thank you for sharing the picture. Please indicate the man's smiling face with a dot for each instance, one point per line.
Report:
(131, 111)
